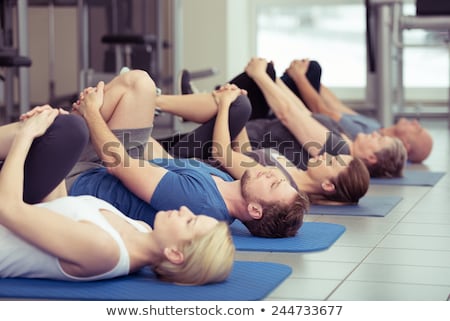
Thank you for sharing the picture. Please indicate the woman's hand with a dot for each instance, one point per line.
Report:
(226, 94)
(38, 109)
(91, 99)
(256, 67)
(298, 67)
(37, 124)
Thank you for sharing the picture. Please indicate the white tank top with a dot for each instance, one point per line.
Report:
(21, 259)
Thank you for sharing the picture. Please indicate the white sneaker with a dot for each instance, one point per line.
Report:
(124, 70)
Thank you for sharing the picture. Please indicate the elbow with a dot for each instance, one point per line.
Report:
(118, 171)
(115, 161)
(11, 210)
(218, 157)
(220, 154)
(112, 170)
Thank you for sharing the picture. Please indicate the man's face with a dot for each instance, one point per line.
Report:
(267, 184)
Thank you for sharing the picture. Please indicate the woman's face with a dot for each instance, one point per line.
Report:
(325, 167)
(366, 145)
(174, 227)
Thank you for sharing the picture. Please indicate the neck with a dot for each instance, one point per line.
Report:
(143, 251)
(232, 196)
(305, 183)
(388, 131)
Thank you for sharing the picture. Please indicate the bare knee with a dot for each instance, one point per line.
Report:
(138, 79)
(129, 100)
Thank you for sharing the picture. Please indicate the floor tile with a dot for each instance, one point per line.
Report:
(378, 291)
(304, 289)
(421, 229)
(409, 257)
(416, 242)
(304, 268)
(386, 273)
(340, 254)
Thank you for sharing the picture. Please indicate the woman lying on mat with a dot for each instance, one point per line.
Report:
(277, 112)
(222, 136)
(330, 111)
(384, 156)
(84, 238)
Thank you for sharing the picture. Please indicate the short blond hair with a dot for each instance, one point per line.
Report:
(207, 259)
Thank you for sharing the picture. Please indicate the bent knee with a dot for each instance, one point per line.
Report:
(138, 79)
(71, 128)
(242, 107)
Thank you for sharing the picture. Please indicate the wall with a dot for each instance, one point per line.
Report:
(66, 64)
(66, 52)
(215, 34)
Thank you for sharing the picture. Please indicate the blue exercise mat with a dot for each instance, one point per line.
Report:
(411, 177)
(249, 281)
(367, 206)
(312, 236)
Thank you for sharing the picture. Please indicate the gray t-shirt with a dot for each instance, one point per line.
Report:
(271, 133)
(350, 125)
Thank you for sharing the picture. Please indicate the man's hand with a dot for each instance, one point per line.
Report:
(91, 99)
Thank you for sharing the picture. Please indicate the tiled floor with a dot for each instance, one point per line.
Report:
(402, 256)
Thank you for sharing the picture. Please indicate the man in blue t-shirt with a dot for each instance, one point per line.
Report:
(136, 174)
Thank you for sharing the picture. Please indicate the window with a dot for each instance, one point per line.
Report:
(333, 32)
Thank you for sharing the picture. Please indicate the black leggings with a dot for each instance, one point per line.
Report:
(198, 143)
(53, 155)
(260, 107)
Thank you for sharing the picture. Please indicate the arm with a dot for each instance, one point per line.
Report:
(241, 142)
(7, 133)
(333, 102)
(297, 71)
(140, 177)
(198, 108)
(233, 161)
(73, 242)
(290, 111)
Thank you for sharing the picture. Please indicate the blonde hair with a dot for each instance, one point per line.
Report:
(208, 258)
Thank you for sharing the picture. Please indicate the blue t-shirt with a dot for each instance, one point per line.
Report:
(99, 183)
(188, 182)
(355, 124)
